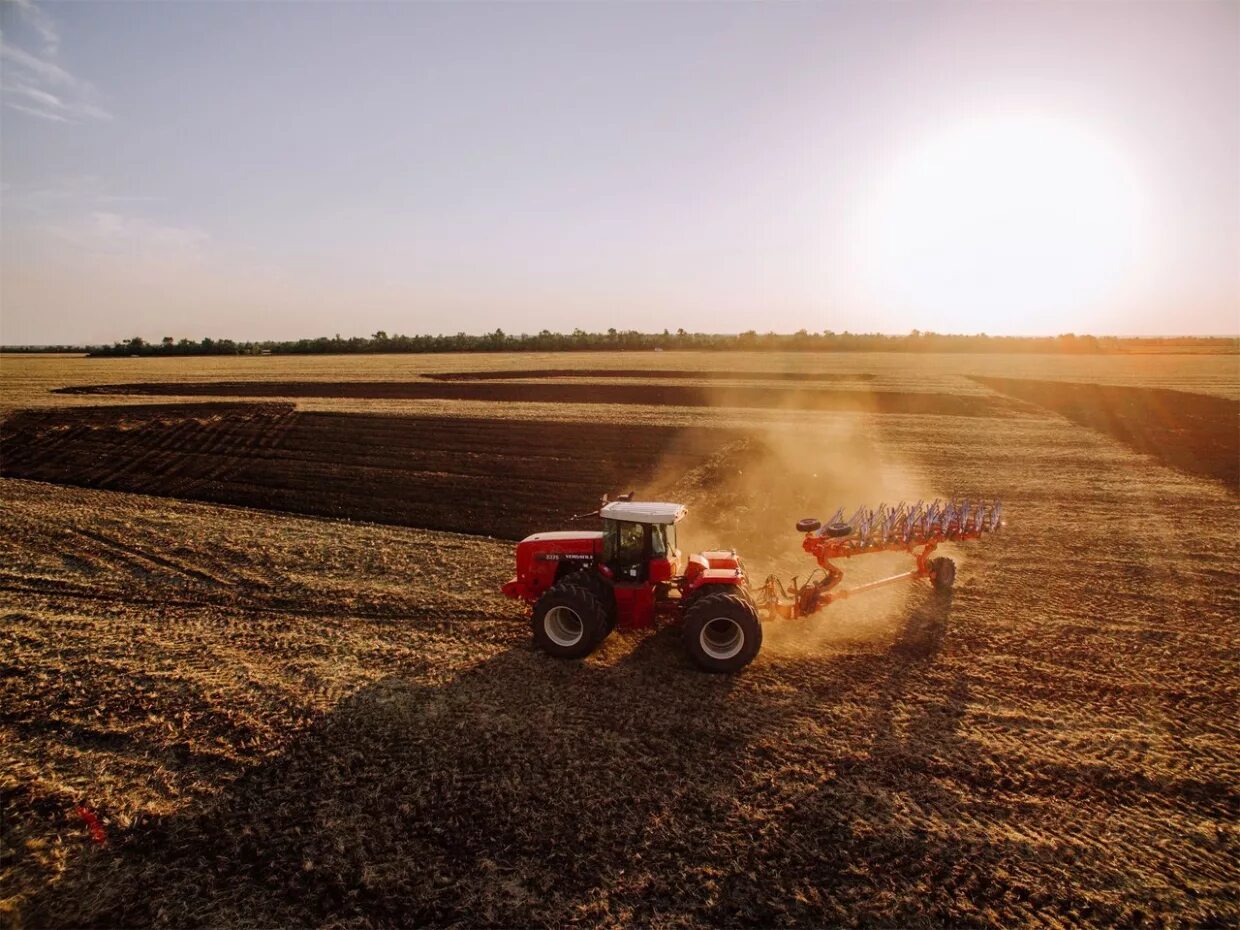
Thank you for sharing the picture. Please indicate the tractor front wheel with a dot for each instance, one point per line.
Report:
(942, 573)
(722, 631)
(568, 622)
(590, 580)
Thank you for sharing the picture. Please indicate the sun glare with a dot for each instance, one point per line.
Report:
(1006, 224)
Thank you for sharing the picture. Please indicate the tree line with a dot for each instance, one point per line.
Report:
(630, 340)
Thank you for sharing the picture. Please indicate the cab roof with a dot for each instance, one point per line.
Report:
(643, 511)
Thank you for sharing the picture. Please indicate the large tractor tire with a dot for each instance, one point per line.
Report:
(568, 622)
(590, 580)
(722, 631)
(942, 574)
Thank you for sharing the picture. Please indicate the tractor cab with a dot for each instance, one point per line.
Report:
(639, 541)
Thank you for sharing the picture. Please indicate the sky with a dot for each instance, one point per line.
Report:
(274, 170)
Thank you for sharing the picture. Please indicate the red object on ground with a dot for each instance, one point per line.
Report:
(92, 824)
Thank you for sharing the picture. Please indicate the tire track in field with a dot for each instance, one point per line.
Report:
(142, 461)
(125, 553)
(420, 616)
(98, 555)
(62, 561)
(49, 440)
(237, 439)
(98, 552)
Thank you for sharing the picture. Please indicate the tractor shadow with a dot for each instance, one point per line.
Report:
(627, 788)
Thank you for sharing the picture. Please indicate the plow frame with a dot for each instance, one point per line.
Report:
(897, 529)
(801, 600)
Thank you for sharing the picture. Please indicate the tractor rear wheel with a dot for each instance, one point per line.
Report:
(942, 573)
(722, 631)
(590, 580)
(568, 622)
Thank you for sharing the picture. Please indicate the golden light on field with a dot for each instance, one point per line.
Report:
(1017, 224)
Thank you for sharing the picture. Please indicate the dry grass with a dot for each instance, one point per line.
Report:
(291, 721)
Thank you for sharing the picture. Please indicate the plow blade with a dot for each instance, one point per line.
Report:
(937, 521)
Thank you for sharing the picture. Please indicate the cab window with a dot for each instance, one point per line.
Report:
(624, 542)
(658, 542)
(663, 540)
(669, 533)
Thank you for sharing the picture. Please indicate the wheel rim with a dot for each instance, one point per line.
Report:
(563, 626)
(722, 638)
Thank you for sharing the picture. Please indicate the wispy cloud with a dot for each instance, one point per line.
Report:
(35, 111)
(41, 23)
(110, 232)
(123, 228)
(83, 192)
(36, 83)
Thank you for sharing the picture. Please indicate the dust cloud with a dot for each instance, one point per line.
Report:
(749, 495)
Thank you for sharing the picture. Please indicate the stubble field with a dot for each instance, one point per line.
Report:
(252, 630)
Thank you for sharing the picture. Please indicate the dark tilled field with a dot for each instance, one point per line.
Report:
(1197, 433)
(664, 395)
(490, 477)
(649, 374)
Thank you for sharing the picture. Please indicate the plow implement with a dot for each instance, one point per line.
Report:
(916, 529)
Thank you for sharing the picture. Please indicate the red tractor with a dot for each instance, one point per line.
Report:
(582, 585)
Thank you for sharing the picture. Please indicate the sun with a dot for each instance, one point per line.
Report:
(1007, 224)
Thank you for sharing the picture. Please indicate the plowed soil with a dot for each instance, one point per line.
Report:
(664, 395)
(490, 477)
(651, 374)
(283, 720)
(1194, 432)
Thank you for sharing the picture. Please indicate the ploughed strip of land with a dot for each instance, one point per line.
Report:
(494, 477)
(1196, 433)
(674, 395)
(662, 374)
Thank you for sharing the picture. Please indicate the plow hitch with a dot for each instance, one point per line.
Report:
(917, 529)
